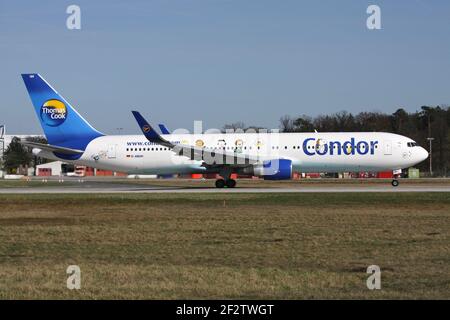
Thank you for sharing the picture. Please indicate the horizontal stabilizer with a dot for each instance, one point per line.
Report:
(50, 148)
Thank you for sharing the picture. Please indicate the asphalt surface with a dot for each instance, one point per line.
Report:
(112, 187)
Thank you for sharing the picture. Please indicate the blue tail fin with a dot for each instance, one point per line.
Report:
(62, 124)
(163, 129)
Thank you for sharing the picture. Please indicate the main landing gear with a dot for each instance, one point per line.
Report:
(395, 183)
(226, 180)
(230, 183)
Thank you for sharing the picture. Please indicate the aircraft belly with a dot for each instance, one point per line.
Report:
(342, 164)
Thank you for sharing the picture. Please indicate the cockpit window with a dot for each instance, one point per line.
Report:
(412, 144)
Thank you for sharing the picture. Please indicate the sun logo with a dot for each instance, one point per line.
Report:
(199, 143)
(146, 128)
(53, 112)
(320, 145)
(238, 146)
(349, 149)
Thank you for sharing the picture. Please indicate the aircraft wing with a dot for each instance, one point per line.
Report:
(50, 148)
(210, 158)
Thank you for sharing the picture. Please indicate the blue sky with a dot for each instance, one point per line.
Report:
(223, 61)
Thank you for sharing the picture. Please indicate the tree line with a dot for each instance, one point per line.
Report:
(17, 158)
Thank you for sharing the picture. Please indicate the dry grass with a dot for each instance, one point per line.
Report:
(281, 246)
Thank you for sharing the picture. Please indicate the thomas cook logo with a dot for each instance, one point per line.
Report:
(53, 112)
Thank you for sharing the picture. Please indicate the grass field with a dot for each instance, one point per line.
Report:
(275, 246)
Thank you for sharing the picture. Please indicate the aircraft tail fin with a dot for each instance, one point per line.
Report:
(149, 132)
(62, 124)
(163, 129)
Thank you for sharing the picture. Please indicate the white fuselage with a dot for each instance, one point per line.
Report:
(309, 152)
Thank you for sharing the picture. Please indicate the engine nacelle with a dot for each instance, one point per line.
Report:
(277, 169)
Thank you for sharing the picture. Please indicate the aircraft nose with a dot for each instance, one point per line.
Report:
(422, 154)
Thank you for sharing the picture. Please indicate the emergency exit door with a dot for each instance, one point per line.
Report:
(387, 147)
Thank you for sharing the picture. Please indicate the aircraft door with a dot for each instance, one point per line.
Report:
(387, 147)
(112, 151)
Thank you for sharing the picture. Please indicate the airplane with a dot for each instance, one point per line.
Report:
(270, 155)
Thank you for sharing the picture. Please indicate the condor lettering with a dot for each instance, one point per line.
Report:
(313, 146)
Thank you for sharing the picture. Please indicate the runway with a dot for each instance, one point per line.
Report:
(112, 187)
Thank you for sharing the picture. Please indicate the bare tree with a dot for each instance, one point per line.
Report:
(286, 124)
(238, 126)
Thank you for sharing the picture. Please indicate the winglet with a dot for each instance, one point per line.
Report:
(163, 129)
(148, 131)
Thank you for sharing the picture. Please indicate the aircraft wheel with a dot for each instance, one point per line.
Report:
(395, 183)
(220, 183)
(231, 183)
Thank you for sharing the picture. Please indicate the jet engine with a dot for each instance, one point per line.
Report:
(277, 169)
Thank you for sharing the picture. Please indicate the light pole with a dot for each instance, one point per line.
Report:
(430, 140)
(2, 139)
(2, 149)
